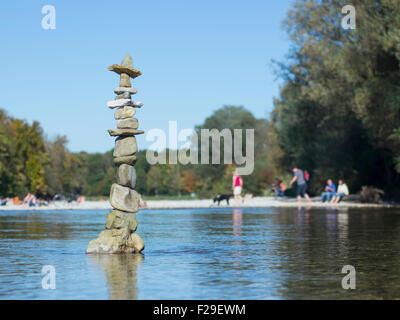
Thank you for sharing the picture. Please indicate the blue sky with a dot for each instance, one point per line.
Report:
(195, 56)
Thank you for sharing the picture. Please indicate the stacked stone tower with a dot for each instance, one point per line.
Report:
(119, 235)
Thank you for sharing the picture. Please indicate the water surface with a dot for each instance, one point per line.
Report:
(216, 253)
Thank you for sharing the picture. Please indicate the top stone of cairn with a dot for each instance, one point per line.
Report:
(126, 67)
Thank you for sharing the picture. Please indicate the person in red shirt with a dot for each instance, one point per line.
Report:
(237, 185)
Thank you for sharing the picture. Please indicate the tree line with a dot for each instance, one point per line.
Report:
(337, 116)
(29, 162)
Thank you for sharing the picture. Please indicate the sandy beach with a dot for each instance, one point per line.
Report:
(187, 204)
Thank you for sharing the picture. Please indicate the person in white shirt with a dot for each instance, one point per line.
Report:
(341, 192)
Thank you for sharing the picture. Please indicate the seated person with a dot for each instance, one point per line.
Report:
(280, 189)
(4, 201)
(342, 191)
(276, 189)
(330, 191)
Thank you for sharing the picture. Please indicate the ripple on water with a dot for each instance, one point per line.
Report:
(216, 253)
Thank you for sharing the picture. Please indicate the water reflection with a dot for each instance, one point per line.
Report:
(33, 226)
(218, 253)
(120, 271)
(237, 217)
(343, 221)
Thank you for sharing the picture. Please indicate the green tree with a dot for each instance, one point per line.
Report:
(338, 112)
(213, 177)
(153, 180)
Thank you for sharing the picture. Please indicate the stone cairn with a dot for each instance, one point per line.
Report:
(119, 236)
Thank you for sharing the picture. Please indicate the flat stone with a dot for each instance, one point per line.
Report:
(124, 132)
(117, 219)
(125, 146)
(119, 103)
(137, 104)
(125, 95)
(124, 113)
(124, 198)
(130, 123)
(131, 72)
(130, 160)
(122, 90)
(126, 176)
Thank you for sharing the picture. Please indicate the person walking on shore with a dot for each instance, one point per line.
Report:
(237, 184)
(301, 185)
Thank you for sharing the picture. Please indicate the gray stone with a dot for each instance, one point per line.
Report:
(126, 176)
(124, 198)
(120, 103)
(124, 113)
(124, 132)
(117, 219)
(125, 95)
(124, 79)
(127, 61)
(136, 242)
(125, 146)
(130, 123)
(130, 160)
(125, 70)
(137, 104)
(122, 90)
(116, 241)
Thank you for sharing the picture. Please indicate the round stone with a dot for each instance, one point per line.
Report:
(124, 198)
(117, 219)
(130, 160)
(125, 146)
(126, 176)
(136, 242)
(130, 123)
(124, 113)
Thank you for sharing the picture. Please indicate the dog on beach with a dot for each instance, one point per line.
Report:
(222, 197)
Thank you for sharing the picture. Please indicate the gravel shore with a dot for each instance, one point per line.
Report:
(207, 203)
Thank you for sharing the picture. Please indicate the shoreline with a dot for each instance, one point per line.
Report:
(257, 202)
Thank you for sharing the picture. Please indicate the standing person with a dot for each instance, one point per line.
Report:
(237, 184)
(301, 185)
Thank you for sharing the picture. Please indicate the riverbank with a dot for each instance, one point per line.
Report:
(206, 203)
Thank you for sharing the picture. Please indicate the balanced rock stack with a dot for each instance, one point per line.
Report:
(119, 236)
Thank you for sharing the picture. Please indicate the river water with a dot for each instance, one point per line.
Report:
(216, 253)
